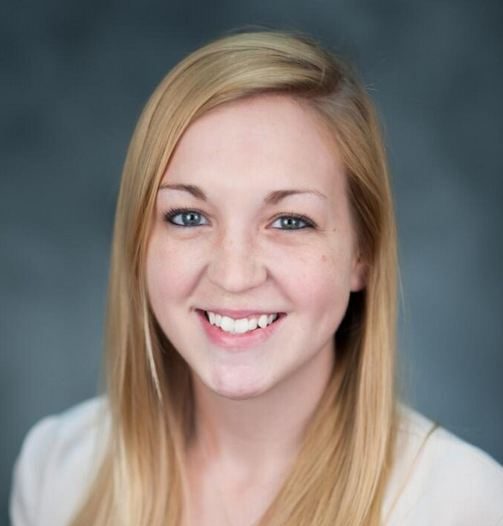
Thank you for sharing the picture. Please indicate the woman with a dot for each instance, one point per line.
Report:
(251, 321)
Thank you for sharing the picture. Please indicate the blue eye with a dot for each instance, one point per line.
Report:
(185, 217)
(293, 222)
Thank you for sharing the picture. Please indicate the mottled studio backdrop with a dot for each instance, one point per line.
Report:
(74, 76)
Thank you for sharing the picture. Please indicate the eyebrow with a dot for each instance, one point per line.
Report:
(271, 199)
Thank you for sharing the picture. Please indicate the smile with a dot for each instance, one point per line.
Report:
(242, 325)
(228, 332)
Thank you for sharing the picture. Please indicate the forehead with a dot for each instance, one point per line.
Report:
(262, 142)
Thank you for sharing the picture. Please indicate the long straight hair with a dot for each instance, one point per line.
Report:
(340, 474)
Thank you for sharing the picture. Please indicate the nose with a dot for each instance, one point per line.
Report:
(236, 264)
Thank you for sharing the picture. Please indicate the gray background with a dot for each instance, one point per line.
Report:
(74, 78)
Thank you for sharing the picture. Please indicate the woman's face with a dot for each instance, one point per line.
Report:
(252, 223)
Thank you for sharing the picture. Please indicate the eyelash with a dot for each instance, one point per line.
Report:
(170, 214)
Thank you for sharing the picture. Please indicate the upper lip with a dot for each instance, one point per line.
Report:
(240, 313)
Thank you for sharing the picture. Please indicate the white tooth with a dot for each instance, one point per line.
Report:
(227, 324)
(218, 319)
(241, 326)
(270, 319)
(252, 324)
(212, 317)
(262, 321)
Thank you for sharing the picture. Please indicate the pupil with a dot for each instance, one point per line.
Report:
(289, 222)
(190, 218)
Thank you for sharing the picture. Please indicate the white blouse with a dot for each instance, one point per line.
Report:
(438, 479)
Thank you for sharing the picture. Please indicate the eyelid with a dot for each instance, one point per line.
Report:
(309, 222)
(173, 212)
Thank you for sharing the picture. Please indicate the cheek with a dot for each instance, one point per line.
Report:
(320, 283)
(170, 269)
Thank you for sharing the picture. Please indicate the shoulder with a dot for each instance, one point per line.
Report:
(57, 461)
(439, 478)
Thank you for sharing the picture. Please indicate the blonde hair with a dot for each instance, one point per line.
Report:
(341, 471)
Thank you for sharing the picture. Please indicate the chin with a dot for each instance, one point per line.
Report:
(238, 386)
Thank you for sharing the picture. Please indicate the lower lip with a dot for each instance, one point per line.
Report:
(238, 341)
